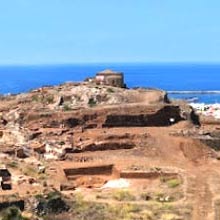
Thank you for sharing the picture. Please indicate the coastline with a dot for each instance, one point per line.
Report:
(195, 92)
(207, 97)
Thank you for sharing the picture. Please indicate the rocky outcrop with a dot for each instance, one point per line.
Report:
(165, 116)
(103, 145)
(51, 203)
(116, 116)
(19, 204)
(211, 139)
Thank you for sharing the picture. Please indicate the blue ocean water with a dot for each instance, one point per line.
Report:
(170, 77)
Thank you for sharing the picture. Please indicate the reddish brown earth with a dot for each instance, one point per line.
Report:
(130, 137)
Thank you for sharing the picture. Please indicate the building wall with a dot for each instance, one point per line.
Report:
(114, 81)
(111, 80)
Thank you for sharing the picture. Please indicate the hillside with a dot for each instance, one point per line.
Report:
(128, 153)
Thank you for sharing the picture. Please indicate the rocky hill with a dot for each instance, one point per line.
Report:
(101, 144)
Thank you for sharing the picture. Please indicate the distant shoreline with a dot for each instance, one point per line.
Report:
(195, 92)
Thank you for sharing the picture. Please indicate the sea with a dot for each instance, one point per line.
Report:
(199, 83)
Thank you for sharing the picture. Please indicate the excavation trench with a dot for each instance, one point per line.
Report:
(89, 177)
(106, 170)
(97, 176)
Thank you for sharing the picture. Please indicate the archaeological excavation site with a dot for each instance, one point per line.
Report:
(97, 151)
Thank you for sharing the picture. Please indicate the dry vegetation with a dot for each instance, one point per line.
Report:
(74, 139)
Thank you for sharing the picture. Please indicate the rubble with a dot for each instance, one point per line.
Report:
(212, 110)
(5, 178)
(84, 136)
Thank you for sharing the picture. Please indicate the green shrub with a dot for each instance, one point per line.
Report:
(173, 183)
(53, 195)
(66, 107)
(145, 196)
(123, 195)
(51, 203)
(30, 171)
(36, 98)
(50, 99)
(12, 164)
(11, 213)
(110, 90)
(125, 212)
(92, 102)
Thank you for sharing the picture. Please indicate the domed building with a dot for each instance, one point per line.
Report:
(110, 78)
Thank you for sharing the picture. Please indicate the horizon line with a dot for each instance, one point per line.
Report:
(111, 63)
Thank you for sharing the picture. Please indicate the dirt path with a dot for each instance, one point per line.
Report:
(203, 204)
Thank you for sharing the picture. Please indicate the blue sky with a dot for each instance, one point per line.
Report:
(84, 31)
